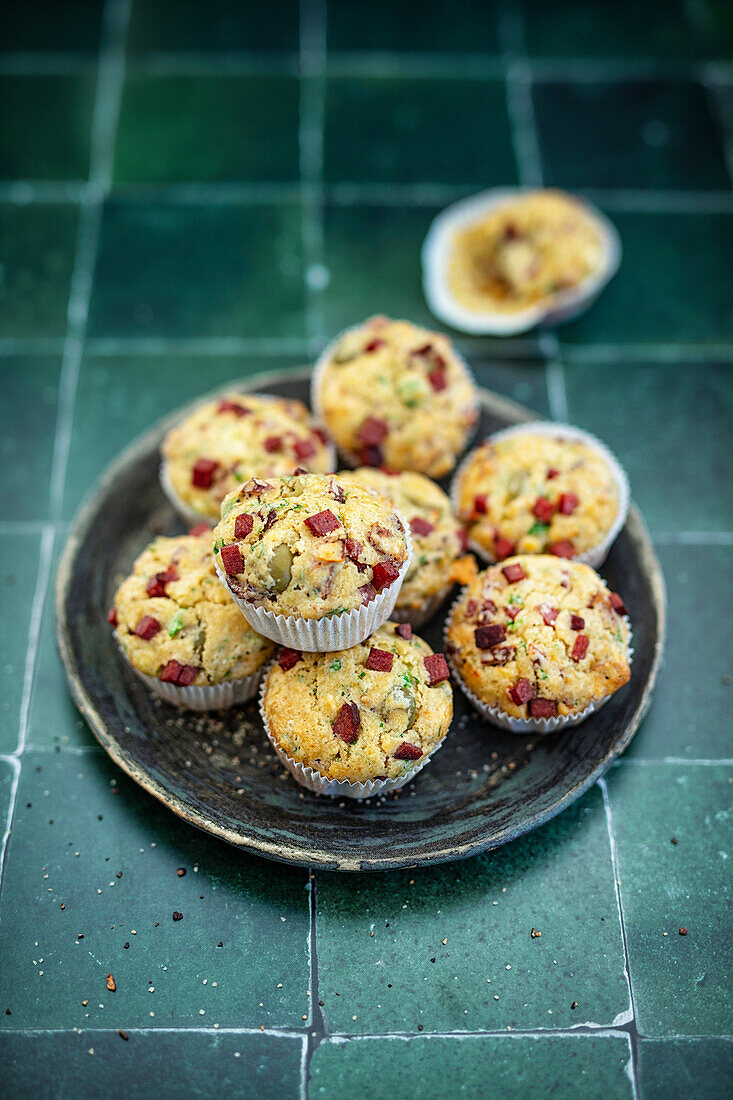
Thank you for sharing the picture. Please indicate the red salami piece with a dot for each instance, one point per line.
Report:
(543, 509)
(112, 616)
(486, 637)
(567, 504)
(514, 572)
(347, 723)
(199, 529)
(503, 548)
(481, 504)
(404, 630)
(617, 604)
(577, 622)
(374, 345)
(232, 407)
(232, 560)
(438, 379)
(353, 548)
(407, 751)
(437, 668)
(552, 473)
(368, 592)
(379, 660)
(562, 549)
(203, 472)
(373, 431)
(303, 449)
(147, 628)
(170, 673)
(322, 522)
(243, 525)
(542, 708)
(288, 658)
(273, 443)
(384, 574)
(421, 527)
(580, 648)
(521, 692)
(548, 613)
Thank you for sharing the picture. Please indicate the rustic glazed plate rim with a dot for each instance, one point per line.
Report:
(303, 854)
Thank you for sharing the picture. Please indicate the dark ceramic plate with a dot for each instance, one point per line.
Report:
(483, 788)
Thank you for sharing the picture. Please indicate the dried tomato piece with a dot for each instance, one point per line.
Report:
(203, 472)
(542, 708)
(347, 723)
(421, 527)
(112, 616)
(303, 449)
(199, 529)
(486, 637)
(407, 751)
(580, 648)
(384, 574)
(513, 572)
(232, 560)
(481, 504)
(548, 613)
(273, 443)
(562, 549)
(404, 630)
(617, 604)
(288, 658)
(243, 525)
(503, 548)
(373, 431)
(368, 592)
(147, 628)
(437, 668)
(544, 509)
(233, 407)
(322, 522)
(567, 504)
(379, 660)
(577, 622)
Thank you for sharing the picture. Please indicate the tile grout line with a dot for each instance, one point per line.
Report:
(316, 1022)
(632, 1021)
(110, 79)
(34, 633)
(14, 763)
(310, 137)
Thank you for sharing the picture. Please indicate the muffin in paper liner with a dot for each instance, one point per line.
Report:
(185, 511)
(202, 697)
(505, 721)
(349, 457)
(330, 632)
(595, 555)
(312, 780)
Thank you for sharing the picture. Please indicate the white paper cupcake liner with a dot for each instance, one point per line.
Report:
(499, 717)
(350, 457)
(597, 554)
(558, 309)
(208, 697)
(329, 633)
(312, 780)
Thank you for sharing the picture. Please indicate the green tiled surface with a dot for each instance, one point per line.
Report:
(172, 974)
(37, 244)
(27, 411)
(198, 270)
(692, 704)
(45, 26)
(636, 133)
(99, 1063)
(386, 130)
(680, 983)
(219, 127)
(45, 126)
(215, 27)
(490, 973)
(446, 26)
(676, 1069)
(678, 477)
(18, 570)
(674, 285)
(211, 264)
(508, 1066)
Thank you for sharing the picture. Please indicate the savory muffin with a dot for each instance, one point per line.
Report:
(223, 443)
(396, 395)
(534, 246)
(310, 548)
(178, 628)
(438, 540)
(536, 638)
(541, 488)
(372, 712)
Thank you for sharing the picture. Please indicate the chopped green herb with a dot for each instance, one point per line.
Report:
(175, 626)
(538, 528)
(336, 665)
(336, 610)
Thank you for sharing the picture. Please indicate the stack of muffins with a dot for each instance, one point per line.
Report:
(311, 583)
